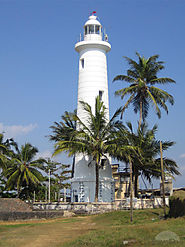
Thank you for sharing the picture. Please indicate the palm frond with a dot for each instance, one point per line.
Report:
(142, 75)
(162, 80)
(124, 78)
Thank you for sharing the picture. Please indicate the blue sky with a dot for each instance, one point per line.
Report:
(39, 66)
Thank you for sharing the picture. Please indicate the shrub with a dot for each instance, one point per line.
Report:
(177, 204)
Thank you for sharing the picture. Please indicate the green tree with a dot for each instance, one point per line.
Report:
(5, 153)
(142, 77)
(93, 137)
(63, 176)
(23, 170)
(64, 130)
(5, 150)
(59, 176)
(145, 153)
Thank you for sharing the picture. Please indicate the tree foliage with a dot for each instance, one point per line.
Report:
(64, 130)
(93, 137)
(22, 169)
(143, 77)
(144, 152)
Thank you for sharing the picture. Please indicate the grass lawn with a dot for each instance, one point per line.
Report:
(109, 229)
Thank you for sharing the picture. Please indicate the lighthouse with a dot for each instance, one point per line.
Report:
(92, 82)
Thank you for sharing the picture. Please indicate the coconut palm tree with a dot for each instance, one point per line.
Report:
(146, 149)
(23, 170)
(93, 137)
(5, 157)
(142, 77)
(5, 149)
(64, 129)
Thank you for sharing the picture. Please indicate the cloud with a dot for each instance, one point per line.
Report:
(182, 168)
(45, 154)
(16, 130)
(182, 156)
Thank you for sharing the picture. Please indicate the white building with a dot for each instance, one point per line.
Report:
(92, 82)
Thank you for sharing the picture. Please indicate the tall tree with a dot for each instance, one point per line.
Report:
(5, 150)
(64, 130)
(142, 77)
(92, 138)
(23, 170)
(60, 175)
(145, 154)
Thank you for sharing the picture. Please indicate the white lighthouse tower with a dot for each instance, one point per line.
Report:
(92, 82)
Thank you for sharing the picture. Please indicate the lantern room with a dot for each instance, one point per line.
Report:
(92, 29)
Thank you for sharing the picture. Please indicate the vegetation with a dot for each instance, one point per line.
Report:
(112, 229)
(97, 137)
(22, 170)
(177, 204)
(4, 147)
(142, 77)
(64, 130)
(145, 149)
(93, 137)
(108, 229)
(24, 176)
(59, 178)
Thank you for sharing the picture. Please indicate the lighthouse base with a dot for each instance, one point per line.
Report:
(84, 190)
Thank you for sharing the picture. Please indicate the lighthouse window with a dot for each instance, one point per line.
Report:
(100, 94)
(82, 63)
(86, 30)
(97, 29)
(91, 28)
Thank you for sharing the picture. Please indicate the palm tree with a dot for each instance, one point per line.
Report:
(93, 138)
(126, 151)
(5, 157)
(63, 130)
(23, 170)
(59, 174)
(4, 150)
(142, 77)
(146, 149)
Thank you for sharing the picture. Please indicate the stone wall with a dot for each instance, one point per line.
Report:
(43, 210)
(100, 207)
(30, 215)
(76, 207)
(141, 203)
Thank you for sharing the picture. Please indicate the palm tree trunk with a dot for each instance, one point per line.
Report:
(162, 177)
(136, 180)
(131, 191)
(73, 167)
(97, 182)
(18, 193)
(140, 114)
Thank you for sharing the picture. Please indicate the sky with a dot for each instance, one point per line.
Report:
(39, 66)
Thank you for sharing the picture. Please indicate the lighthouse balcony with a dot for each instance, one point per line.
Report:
(90, 44)
(92, 37)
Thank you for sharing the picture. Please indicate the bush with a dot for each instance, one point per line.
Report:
(177, 204)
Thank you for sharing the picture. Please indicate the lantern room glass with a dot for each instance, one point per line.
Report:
(86, 30)
(92, 29)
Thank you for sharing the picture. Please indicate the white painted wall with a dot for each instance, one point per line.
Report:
(92, 79)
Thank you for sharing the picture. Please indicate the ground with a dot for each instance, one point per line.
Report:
(110, 229)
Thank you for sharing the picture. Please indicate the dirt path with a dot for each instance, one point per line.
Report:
(49, 233)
